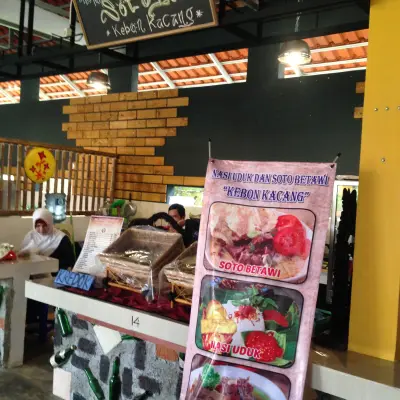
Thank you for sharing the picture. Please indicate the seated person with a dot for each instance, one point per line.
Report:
(48, 241)
(188, 229)
(178, 213)
(190, 226)
(157, 221)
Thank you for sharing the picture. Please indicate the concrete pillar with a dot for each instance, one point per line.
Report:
(263, 65)
(124, 79)
(30, 90)
(374, 314)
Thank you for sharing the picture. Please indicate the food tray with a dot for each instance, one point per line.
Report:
(124, 273)
(180, 278)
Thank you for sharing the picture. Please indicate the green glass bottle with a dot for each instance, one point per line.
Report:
(181, 359)
(2, 290)
(114, 386)
(62, 356)
(63, 323)
(127, 337)
(94, 384)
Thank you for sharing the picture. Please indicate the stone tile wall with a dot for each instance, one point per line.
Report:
(5, 320)
(140, 371)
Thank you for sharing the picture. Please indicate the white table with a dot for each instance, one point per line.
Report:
(20, 271)
(347, 375)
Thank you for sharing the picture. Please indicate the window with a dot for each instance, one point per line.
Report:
(185, 195)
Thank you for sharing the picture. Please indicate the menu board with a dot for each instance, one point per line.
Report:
(111, 22)
(261, 246)
(101, 232)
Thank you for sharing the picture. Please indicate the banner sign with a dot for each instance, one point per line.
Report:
(259, 260)
(72, 279)
(108, 23)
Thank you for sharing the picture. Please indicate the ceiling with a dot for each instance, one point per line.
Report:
(340, 52)
(330, 54)
(9, 33)
(204, 70)
(9, 40)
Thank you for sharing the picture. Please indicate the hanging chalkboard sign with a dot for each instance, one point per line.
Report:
(108, 23)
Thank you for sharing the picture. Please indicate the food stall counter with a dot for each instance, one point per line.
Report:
(140, 324)
(347, 375)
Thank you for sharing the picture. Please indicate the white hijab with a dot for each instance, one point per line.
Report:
(36, 243)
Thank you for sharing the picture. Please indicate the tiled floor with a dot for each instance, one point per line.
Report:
(32, 381)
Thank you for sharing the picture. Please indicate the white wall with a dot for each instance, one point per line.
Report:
(146, 209)
(13, 229)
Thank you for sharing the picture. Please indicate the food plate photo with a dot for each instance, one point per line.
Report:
(250, 321)
(227, 382)
(270, 243)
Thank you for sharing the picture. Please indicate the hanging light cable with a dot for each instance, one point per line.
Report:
(295, 52)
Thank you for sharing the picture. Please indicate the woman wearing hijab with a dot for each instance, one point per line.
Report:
(48, 241)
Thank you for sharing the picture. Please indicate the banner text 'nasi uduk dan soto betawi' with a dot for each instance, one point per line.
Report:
(261, 245)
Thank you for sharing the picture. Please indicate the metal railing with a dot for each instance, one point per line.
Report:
(87, 178)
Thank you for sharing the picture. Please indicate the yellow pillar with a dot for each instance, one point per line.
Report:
(374, 319)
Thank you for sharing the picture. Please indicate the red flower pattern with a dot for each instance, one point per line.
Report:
(41, 168)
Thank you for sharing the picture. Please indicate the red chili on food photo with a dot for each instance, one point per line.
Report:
(275, 316)
(273, 243)
(266, 343)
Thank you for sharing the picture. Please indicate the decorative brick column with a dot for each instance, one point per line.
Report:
(132, 125)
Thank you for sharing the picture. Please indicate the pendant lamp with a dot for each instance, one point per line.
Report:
(295, 52)
(99, 80)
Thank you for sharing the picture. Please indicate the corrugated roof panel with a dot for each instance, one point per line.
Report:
(336, 51)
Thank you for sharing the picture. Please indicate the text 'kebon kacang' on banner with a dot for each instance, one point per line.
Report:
(261, 246)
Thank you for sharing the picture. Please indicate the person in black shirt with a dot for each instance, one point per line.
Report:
(178, 213)
(190, 226)
(175, 219)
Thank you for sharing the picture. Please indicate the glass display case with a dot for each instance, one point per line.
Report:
(341, 183)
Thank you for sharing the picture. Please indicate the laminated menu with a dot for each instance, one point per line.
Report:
(260, 251)
(101, 232)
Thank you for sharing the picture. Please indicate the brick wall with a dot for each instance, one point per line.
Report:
(132, 125)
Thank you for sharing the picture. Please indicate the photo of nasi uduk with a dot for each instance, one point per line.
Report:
(251, 321)
(273, 243)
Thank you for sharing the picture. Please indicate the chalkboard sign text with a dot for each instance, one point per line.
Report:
(112, 22)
